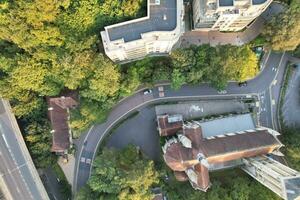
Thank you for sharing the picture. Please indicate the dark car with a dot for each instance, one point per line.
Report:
(243, 84)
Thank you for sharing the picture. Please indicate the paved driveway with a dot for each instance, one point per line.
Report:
(291, 106)
(199, 109)
(144, 135)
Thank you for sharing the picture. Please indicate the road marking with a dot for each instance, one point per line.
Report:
(82, 159)
(88, 161)
(273, 102)
(81, 150)
(6, 143)
(274, 82)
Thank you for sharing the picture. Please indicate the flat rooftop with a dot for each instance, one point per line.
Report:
(227, 125)
(163, 17)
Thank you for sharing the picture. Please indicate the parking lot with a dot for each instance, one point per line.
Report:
(199, 109)
(291, 105)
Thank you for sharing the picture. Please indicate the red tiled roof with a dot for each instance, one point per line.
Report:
(58, 115)
(194, 133)
(166, 128)
(237, 142)
(178, 157)
(218, 149)
(180, 176)
(202, 177)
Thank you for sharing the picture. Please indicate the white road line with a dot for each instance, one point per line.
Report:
(6, 143)
(81, 150)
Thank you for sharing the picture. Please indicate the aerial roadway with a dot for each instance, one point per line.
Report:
(265, 87)
(19, 179)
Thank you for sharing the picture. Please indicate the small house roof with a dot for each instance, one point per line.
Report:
(58, 115)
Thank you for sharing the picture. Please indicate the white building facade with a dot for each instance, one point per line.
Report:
(156, 33)
(226, 15)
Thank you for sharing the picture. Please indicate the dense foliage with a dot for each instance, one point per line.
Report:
(54, 45)
(49, 45)
(216, 65)
(124, 175)
(223, 188)
(38, 139)
(291, 140)
(283, 31)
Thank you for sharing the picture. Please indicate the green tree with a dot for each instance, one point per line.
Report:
(123, 175)
(183, 58)
(104, 82)
(85, 193)
(38, 140)
(177, 79)
(239, 63)
(34, 27)
(283, 31)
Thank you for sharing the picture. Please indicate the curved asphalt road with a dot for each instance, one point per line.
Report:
(266, 86)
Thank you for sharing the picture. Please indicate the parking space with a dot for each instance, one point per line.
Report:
(291, 105)
(198, 109)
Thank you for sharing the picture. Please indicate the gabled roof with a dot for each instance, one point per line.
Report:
(58, 115)
(196, 161)
(237, 142)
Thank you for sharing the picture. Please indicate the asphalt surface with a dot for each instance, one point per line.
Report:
(17, 172)
(291, 105)
(260, 87)
(139, 130)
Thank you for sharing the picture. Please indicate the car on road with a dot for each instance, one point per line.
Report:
(222, 92)
(147, 91)
(88, 161)
(243, 84)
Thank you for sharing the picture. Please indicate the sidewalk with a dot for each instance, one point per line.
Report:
(68, 168)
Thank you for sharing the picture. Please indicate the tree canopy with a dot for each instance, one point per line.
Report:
(38, 138)
(223, 188)
(283, 31)
(54, 45)
(123, 174)
(216, 65)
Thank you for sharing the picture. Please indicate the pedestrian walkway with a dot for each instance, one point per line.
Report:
(68, 168)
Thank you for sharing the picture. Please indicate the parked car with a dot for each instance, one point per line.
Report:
(243, 84)
(147, 91)
(222, 92)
